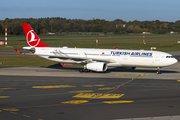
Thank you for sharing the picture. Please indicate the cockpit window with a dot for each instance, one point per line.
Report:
(169, 57)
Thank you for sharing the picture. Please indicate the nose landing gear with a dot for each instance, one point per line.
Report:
(158, 71)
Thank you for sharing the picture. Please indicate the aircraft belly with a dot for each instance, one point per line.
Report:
(137, 62)
(114, 65)
(161, 64)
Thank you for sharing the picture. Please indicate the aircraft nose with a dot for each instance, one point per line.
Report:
(174, 60)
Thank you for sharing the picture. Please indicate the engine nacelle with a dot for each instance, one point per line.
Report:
(96, 66)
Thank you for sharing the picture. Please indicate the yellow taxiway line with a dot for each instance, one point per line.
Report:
(4, 96)
(75, 102)
(98, 95)
(116, 102)
(53, 86)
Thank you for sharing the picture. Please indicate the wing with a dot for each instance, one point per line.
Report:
(83, 59)
(61, 55)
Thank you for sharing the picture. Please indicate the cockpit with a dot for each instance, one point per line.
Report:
(169, 57)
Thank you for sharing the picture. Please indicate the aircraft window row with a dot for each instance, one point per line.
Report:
(105, 55)
(169, 57)
(92, 54)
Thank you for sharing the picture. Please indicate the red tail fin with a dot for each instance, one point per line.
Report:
(32, 39)
(19, 51)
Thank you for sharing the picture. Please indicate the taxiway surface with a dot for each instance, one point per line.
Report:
(37, 93)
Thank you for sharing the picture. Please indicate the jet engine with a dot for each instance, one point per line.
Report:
(96, 66)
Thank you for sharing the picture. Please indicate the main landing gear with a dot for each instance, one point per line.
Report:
(158, 71)
(84, 70)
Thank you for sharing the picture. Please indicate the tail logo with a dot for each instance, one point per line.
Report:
(32, 39)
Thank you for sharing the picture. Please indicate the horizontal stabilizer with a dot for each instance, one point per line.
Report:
(19, 51)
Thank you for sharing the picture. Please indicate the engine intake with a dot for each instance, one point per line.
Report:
(97, 66)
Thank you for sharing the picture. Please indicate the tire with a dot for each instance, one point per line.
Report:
(158, 72)
(81, 70)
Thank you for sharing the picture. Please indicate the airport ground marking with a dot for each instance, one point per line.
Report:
(124, 75)
(98, 95)
(139, 68)
(116, 102)
(11, 109)
(93, 85)
(81, 91)
(4, 96)
(99, 85)
(120, 85)
(123, 83)
(142, 75)
(75, 102)
(87, 85)
(53, 86)
(4, 89)
(106, 88)
(27, 116)
(40, 119)
(13, 113)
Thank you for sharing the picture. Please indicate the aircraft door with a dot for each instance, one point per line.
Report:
(45, 51)
(82, 54)
(125, 57)
(157, 58)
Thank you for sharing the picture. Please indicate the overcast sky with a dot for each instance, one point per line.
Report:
(127, 10)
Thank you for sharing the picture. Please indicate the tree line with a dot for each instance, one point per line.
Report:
(57, 24)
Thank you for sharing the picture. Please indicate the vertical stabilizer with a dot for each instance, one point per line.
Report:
(32, 39)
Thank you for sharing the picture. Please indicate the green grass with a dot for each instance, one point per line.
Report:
(22, 37)
(25, 60)
(161, 44)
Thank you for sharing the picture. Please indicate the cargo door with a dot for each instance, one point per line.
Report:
(82, 54)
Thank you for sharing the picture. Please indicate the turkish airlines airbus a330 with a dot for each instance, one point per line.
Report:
(96, 59)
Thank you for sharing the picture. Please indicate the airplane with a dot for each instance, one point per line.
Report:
(97, 60)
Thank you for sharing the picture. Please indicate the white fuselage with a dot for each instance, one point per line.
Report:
(112, 57)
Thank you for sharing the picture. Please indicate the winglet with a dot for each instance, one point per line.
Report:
(32, 38)
(19, 51)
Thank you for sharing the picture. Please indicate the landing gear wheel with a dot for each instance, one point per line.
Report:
(84, 70)
(81, 70)
(159, 71)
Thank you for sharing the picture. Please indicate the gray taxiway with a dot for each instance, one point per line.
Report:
(40, 93)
